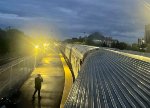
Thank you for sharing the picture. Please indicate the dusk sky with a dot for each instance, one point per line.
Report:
(121, 19)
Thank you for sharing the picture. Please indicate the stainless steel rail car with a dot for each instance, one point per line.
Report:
(111, 80)
(76, 55)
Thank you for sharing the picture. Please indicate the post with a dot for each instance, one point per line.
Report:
(10, 78)
(36, 53)
(35, 62)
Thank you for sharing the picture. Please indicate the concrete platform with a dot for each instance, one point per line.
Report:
(52, 71)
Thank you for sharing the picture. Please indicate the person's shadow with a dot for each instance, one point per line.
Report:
(38, 104)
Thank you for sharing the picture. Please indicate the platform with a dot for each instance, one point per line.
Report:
(51, 69)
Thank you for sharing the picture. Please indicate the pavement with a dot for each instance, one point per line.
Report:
(51, 69)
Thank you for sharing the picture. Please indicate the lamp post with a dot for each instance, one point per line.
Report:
(36, 53)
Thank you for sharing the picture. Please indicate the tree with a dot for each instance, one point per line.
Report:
(122, 45)
(14, 41)
(135, 47)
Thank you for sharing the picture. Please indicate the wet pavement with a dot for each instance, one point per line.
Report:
(52, 71)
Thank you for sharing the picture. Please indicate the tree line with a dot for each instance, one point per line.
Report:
(14, 41)
(88, 40)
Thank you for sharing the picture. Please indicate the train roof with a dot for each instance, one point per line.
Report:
(69, 46)
(81, 50)
(111, 80)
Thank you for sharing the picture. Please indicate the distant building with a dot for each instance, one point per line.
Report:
(96, 41)
(107, 41)
(141, 41)
(147, 33)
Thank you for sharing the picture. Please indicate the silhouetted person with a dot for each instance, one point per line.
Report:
(38, 81)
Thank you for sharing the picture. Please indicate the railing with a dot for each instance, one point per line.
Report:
(13, 75)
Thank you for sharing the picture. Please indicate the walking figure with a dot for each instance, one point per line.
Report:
(38, 81)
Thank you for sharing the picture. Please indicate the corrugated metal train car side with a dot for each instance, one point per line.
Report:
(76, 55)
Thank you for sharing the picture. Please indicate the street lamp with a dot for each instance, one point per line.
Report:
(36, 46)
(36, 53)
(44, 44)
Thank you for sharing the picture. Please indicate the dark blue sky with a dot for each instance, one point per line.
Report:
(122, 19)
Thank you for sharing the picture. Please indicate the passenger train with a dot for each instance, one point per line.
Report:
(107, 78)
(76, 54)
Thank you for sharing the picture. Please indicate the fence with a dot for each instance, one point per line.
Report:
(13, 75)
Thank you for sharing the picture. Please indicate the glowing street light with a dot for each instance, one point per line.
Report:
(36, 46)
(44, 44)
(55, 44)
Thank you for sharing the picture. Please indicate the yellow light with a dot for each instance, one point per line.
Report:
(36, 49)
(55, 44)
(44, 44)
(36, 46)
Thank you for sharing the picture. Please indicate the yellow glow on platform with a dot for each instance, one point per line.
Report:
(46, 60)
(68, 81)
(65, 66)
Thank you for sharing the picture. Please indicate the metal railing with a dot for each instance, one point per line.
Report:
(13, 74)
